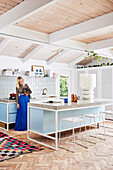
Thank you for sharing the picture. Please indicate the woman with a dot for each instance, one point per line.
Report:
(22, 98)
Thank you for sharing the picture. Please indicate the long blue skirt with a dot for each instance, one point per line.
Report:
(21, 117)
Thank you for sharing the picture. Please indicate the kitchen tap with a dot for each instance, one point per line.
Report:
(44, 93)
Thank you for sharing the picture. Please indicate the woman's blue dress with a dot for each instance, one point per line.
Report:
(21, 117)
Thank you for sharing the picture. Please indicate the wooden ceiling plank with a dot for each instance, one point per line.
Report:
(106, 3)
(43, 16)
(26, 10)
(88, 5)
(76, 7)
(32, 53)
(40, 27)
(99, 6)
(76, 12)
(82, 6)
(6, 5)
(11, 3)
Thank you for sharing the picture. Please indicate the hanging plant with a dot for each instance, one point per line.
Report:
(95, 56)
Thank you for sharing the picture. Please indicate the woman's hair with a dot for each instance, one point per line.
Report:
(17, 83)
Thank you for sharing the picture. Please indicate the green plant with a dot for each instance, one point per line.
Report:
(94, 55)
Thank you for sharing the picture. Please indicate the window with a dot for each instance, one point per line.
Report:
(63, 86)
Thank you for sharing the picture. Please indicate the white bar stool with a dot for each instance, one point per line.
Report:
(107, 113)
(72, 120)
(100, 117)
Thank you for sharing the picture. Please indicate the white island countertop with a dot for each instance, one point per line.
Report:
(70, 105)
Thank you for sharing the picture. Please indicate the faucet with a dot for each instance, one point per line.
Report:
(44, 93)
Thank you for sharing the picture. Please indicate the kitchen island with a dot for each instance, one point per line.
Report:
(44, 118)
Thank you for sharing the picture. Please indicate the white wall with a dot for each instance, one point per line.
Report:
(59, 68)
(8, 85)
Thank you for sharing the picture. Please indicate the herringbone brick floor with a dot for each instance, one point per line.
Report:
(96, 157)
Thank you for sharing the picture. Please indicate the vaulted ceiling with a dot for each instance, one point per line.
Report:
(56, 30)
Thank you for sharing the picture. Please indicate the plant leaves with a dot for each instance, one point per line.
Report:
(91, 51)
(97, 60)
(101, 57)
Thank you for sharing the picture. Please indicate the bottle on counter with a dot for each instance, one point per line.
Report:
(75, 98)
(72, 98)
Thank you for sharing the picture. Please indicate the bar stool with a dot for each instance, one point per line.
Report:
(94, 117)
(108, 112)
(72, 120)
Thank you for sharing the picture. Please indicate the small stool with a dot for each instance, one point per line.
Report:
(72, 120)
(95, 116)
(108, 112)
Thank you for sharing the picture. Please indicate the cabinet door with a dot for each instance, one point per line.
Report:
(12, 108)
(3, 112)
(106, 85)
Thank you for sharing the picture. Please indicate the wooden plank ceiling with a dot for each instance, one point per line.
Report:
(6, 5)
(46, 53)
(97, 35)
(69, 57)
(18, 48)
(65, 13)
(86, 61)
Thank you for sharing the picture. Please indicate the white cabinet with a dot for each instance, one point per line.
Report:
(106, 83)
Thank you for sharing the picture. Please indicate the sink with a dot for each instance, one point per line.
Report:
(44, 96)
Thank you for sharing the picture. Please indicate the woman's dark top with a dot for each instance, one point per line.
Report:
(20, 90)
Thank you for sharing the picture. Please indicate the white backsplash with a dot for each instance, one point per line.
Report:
(8, 85)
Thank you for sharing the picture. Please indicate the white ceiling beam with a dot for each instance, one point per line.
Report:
(35, 37)
(76, 60)
(23, 10)
(58, 56)
(84, 27)
(72, 44)
(111, 52)
(23, 33)
(4, 43)
(104, 53)
(101, 44)
(32, 53)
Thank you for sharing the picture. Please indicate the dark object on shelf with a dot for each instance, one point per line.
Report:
(50, 102)
(12, 96)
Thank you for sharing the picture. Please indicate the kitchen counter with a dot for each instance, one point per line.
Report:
(71, 105)
(45, 118)
(6, 100)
